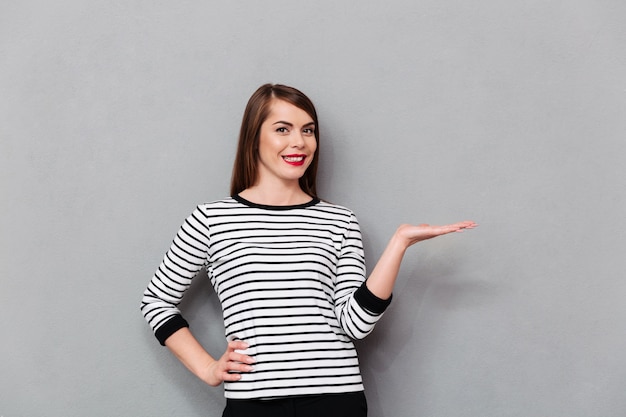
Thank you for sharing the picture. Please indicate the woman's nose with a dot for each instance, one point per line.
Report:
(297, 140)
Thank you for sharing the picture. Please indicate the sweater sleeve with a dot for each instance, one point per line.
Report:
(357, 308)
(182, 262)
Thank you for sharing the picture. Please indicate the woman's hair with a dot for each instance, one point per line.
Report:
(245, 168)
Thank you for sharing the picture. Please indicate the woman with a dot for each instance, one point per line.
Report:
(288, 270)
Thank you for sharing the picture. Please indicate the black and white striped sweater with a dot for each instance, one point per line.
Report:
(291, 283)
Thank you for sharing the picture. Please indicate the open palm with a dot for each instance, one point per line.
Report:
(416, 233)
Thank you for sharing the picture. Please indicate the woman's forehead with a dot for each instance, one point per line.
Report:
(281, 109)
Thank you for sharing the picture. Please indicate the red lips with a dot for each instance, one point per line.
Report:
(295, 160)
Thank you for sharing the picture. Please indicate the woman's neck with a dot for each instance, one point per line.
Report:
(275, 196)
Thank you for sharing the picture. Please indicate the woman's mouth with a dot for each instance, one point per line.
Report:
(295, 160)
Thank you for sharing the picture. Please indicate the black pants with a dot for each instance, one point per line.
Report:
(351, 404)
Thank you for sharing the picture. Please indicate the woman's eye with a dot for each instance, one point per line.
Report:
(281, 130)
(308, 131)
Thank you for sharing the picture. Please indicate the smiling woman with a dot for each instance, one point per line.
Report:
(286, 149)
(257, 111)
(288, 269)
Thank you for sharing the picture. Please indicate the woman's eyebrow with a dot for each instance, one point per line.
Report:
(291, 124)
(283, 122)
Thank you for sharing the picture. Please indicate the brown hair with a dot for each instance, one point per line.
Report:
(245, 168)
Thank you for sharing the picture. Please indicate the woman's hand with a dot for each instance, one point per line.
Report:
(187, 349)
(383, 277)
(220, 370)
(410, 234)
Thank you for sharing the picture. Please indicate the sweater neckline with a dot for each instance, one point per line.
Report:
(248, 203)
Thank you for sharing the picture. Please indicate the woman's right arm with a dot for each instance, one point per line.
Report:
(186, 256)
(189, 351)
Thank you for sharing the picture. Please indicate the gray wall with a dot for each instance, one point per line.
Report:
(118, 117)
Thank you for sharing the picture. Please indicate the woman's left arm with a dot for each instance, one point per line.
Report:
(383, 277)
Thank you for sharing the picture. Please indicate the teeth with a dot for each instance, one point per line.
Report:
(293, 158)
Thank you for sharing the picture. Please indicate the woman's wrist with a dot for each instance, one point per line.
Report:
(398, 242)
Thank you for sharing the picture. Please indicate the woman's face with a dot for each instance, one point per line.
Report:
(286, 143)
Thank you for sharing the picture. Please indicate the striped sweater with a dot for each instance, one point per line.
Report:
(290, 280)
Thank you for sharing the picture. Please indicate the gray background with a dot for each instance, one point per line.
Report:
(118, 117)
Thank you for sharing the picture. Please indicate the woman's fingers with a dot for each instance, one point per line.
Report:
(235, 351)
(241, 363)
(414, 234)
(468, 224)
(235, 361)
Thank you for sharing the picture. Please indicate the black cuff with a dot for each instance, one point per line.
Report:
(369, 301)
(177, 322)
